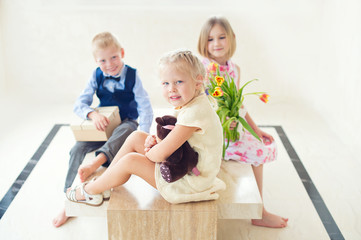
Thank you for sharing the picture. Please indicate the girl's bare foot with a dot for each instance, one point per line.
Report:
(270, 220)
(60, 219)
(85, 171)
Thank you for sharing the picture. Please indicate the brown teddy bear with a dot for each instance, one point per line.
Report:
(183, 160)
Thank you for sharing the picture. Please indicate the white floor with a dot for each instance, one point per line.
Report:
(332, 165)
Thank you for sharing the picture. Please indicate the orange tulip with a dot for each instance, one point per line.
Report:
(264, 97)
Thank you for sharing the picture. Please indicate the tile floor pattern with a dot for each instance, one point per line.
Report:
(40, 198)
(55, 150)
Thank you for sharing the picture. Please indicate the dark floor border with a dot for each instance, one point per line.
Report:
(320, 206)
(328, 222)
(20, 180)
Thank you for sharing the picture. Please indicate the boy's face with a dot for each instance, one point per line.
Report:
(178, 87)
(110, 60)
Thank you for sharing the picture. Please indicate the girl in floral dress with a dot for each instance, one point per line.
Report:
(217, 44)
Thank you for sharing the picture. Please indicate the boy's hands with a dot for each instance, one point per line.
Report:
(150, 141)
(100, 121)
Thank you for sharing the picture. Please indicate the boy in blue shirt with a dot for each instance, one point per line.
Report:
(115, 84)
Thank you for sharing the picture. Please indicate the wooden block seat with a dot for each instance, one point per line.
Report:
(137, 211)
(241, 199)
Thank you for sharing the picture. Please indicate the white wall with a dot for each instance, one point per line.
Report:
(2, 65)
(304, 52)
(337, 94)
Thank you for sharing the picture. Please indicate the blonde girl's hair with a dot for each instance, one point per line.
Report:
(206, 29)
(184, 61)
(103, 40)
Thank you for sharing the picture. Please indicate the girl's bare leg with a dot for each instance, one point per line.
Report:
(268, 219)
(120, 172)
(134, 143)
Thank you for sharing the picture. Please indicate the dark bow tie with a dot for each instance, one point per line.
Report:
(114, 78)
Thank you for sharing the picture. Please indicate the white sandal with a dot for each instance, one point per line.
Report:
(106, 193)
(90, 199)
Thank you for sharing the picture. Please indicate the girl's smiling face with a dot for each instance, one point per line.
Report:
(178, 87)
(218, 45)
(110, 60)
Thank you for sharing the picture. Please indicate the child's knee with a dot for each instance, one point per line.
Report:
(138, 135)
(127, 160)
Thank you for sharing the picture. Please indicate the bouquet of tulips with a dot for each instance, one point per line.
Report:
(229, 100)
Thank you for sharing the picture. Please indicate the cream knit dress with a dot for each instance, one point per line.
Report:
(207, 142)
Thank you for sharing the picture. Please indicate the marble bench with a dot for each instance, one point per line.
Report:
(137, 211)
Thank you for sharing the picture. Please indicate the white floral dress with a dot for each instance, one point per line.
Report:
(247, 149)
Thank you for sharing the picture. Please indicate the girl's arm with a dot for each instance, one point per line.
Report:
(161, 151)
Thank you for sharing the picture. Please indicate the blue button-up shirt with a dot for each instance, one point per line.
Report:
(82, 105)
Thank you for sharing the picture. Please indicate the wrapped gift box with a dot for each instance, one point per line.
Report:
(85, 130)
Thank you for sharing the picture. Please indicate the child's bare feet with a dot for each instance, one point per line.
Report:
(270, 220)
(85, 171)
(60, 219)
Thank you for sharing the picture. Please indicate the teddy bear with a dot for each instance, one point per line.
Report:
(183, 160)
